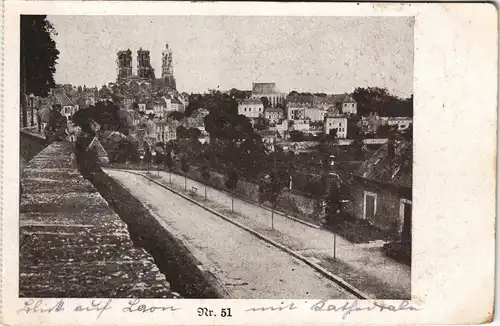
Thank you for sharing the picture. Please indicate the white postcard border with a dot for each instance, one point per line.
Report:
(455, 91)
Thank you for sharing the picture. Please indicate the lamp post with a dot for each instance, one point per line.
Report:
(142, 159)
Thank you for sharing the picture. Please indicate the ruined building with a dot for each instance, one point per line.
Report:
(145, 72)
(144, 69)
(124, 65)
(167, 68)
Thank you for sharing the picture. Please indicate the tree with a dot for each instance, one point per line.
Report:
(231, 182)
(296, 136)
(205, 175)
(265, 101)
(185, 169)
(194, 133)
(332, 134)
(182, 132)
(176, 115)
(38, 58)
(278, 178)
(408, 133)
(338, 194)
(261, 123)
(169, 163)
(386, 131)
(372, 100)
(353, 128)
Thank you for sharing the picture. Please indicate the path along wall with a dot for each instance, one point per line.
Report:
(290, 201)
(72, 244)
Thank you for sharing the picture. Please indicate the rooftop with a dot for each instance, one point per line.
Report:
(387, 168)
(62, 99)
(250, 101)
(274, 110)
(264, 88)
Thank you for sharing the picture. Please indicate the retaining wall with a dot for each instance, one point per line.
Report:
(292, 202)
(72, 244)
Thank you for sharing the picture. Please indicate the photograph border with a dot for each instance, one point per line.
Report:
(454, 179)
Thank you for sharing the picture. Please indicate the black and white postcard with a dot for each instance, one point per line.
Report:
(248, 163)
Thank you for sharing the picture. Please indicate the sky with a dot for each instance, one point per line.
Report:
(307, 54)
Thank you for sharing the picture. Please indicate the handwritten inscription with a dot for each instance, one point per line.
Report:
(136, 306)
(98, 306)
(353, 306)
(38, 306)
(346, 308)
(281, 307)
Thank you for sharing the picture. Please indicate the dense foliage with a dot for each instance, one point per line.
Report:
(38, 58)
(379, 100)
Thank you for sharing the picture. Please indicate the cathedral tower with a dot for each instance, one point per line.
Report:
(144, 69)
(124, 64)
(167, 68)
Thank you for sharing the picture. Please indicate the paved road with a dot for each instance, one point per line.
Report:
(316, 244)
(245, 265)
(308, 241)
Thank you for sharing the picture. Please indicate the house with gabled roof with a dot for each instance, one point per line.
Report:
(274, 115)
(68, 108)
(99, 150)
(382, 189)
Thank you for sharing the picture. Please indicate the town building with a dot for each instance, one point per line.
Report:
(382, 189)
(177, 105)
(269, 91)
(198, 123)
(96, 147)
(273, 115)
(251, 108)
(338, 123)
(296, 111)
(200, 113)
(124, 65)
(315, 114)
(141, 106)
(326, 103)
(347, 104)
(269, 138)
(165, 131)
(68, 108)
(144, 69)
(402, 123)
(370, 124)
(167, 68)
(306, 99)
(299, 125)
(128, 102)
(145, 81)
(281, 127)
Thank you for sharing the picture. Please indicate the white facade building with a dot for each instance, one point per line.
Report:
(273, 115)
(336, 122)
(251, 108)
(402, 123)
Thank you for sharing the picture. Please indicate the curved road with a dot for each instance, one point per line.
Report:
(246, 266)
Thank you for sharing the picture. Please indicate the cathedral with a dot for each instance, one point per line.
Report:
(145, 72)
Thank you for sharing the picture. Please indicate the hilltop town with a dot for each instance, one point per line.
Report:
(338, 163)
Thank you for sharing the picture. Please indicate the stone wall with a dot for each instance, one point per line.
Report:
(301, 205)
(29, 145)
(388, 202)
(71, 243)
(292, 202)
